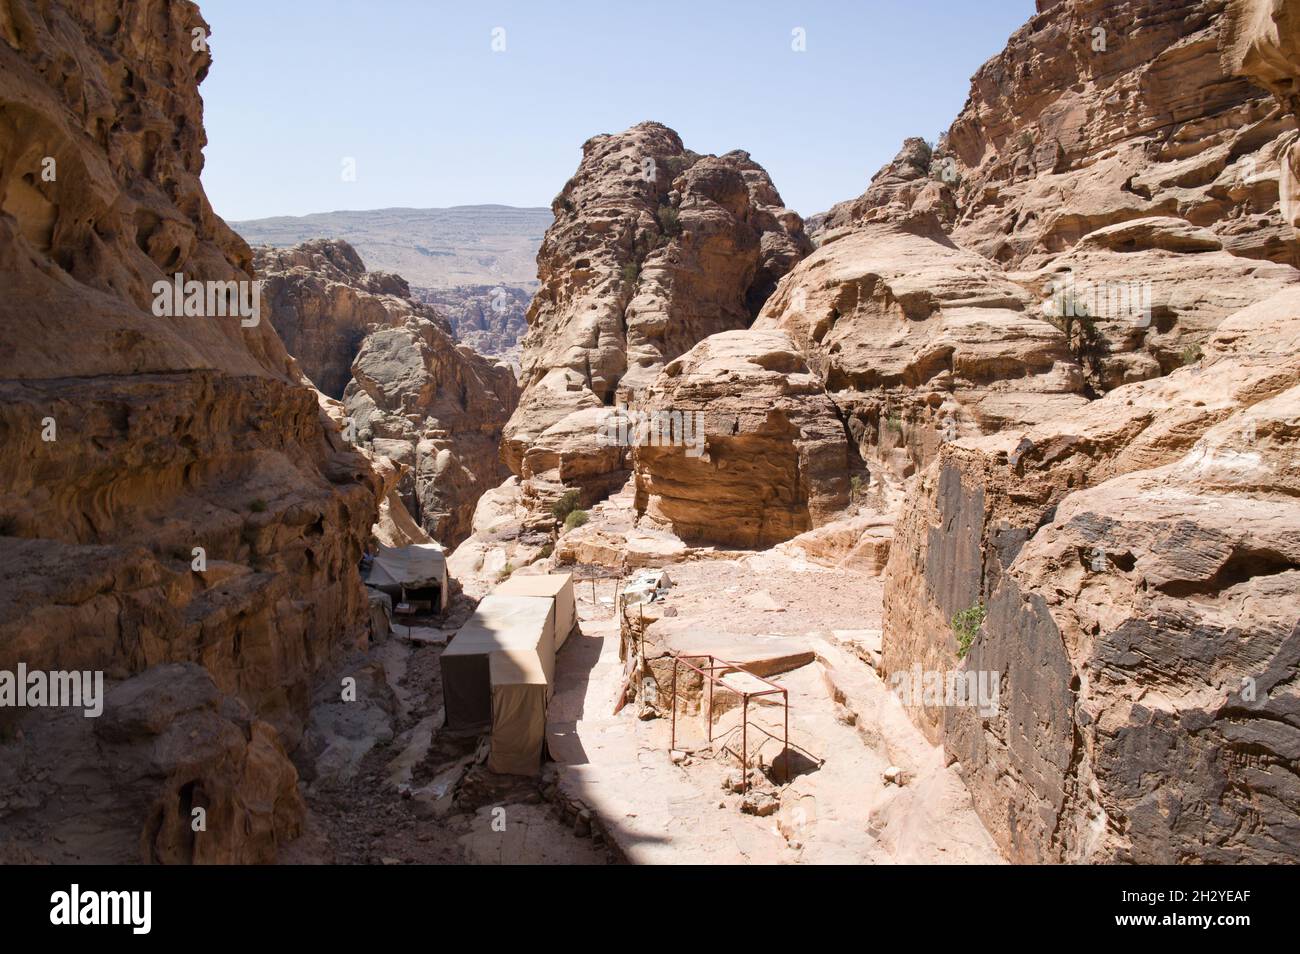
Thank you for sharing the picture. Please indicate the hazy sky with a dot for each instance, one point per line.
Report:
(433, 116)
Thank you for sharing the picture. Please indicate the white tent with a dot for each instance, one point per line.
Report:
(557, 586)
(400, 571)
(498, 670)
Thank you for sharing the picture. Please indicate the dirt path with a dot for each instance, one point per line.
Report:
(416, 798)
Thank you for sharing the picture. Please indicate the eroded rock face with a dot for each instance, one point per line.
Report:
(1151, 291)
(1261, 41)
(1133, 562)
(919, 341)
(1098, 113)
(763, 455)
(124, 788)
(912, 183)
(324, 303)
(438, 409)
(654, 248)
(1122, 569)
(132, 439)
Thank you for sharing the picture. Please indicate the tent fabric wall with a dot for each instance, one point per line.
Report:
(518, 729)
(420, 564)
(558, 586)
(521, 688)
(466, 689)
(499, 667)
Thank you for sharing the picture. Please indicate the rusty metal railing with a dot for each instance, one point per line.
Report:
(710, 675)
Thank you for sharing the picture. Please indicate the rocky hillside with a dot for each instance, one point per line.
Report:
(433, 248)
(171, 491)
(410, 391)
(488, 318)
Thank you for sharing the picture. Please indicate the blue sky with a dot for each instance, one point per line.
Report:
(432, 116)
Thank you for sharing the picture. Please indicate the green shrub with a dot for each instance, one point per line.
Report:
(506, 570)
(965, 625)
(1082, 336)
(566, 504)
(1191, 354)
(576, 519)
(676, 165)
(855, 486)
(257, 506)
(895, 424)
(631, 272)
(669, 221)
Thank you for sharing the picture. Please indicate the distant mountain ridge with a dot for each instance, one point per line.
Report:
(430, 248)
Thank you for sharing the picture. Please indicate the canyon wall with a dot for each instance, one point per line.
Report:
(410, 391)
(170, 491)
(1127, 568)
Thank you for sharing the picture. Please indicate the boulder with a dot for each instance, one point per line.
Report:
(763, 454)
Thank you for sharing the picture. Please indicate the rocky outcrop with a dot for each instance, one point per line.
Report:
(913, 183)
(174, 772)
(1132, 562)
(488, 318)
(1261, 41)
(1099, 113)
(918, 341)
(653, 249)
(324, 303)
(410, 391)
(170, 490)
(746, 450)
(438, 409)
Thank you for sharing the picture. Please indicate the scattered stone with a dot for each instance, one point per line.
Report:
(759, 803)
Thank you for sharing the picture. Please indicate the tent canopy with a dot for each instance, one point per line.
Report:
(510, 640)
(413, 567)
(499, 668)
(420, 564)
(557, 586)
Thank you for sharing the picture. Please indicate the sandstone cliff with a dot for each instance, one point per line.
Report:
(1102, 111)
(762, 454)
(488, 318)
(1126, 568)
(654, 248)
(410, 391)
(170, 490)
(1132, 561)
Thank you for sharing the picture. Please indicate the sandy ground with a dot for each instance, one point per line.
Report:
(838, 808)
(418, 799)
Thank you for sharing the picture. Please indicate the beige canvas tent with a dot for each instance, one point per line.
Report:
(498, 670)
(417, 573)
(557, 586)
